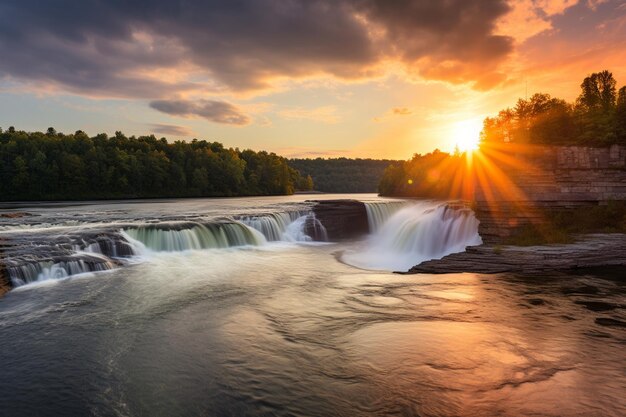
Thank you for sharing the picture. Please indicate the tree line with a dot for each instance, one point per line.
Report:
(56, 166)
(597, 118)
(433, 175)
(343, 175)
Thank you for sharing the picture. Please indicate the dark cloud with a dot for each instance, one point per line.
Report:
(214, 111)
(117, 47)
(173, 130)
(587, 37)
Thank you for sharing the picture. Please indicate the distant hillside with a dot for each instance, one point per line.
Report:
(343, 175)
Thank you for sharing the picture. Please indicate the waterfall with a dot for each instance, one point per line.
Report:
(56, 269)
(190, 236)
(250, 230)
(112, 246)
(273, 226)
(94, 249)
(313, 229)
(379, 212)
(305, 229)
(413, 234)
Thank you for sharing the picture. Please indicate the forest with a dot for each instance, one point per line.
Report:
(343, 175)
(597, 118)
(56, 166)
(433, 175)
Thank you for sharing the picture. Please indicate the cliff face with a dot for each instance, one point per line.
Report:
(541, 178)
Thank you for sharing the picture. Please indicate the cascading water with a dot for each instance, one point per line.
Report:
(250, 230)
(180, 237)
(58, 269)
(80, 250)
(379, 212)
(413, 234)
(272, 225)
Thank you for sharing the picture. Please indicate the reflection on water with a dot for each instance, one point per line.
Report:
(287, 330)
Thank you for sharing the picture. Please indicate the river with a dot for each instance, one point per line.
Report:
(221, 307)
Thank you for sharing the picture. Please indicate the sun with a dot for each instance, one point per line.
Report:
(466, 134)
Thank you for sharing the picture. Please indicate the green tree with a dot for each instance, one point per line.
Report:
(598, 91)
(620, 116)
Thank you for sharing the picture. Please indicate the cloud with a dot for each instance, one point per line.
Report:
(214, 111)
(324, 114)
(393, 112)
(122, 49)
(585, 38)
(401, 111)
(173, 130)
(528, 18)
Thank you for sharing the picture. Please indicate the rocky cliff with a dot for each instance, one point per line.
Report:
(528, 181)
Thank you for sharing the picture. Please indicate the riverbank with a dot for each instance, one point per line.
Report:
(593, 250)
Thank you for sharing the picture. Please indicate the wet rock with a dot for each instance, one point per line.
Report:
(536, 301)
(597, 305)
(15, 215)
(607, 321)
(592, 250)
(343, 219)
(5, 283)
(585, 289)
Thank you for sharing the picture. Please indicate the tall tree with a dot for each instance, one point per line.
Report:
(598, 91)
(620, 115)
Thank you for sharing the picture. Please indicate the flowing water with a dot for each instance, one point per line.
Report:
(227, 307)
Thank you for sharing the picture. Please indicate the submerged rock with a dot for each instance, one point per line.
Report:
(15, 215)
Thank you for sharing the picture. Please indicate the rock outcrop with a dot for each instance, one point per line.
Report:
(593, 250)
(535, 180)
(343, 219)
(5, 282)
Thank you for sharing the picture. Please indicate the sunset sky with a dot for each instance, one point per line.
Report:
(356, 78)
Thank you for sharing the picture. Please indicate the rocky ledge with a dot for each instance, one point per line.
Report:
(5, 284)
(343, 219)
(5, 287)
(594, 250)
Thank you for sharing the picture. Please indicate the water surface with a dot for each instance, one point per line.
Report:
(285, 329)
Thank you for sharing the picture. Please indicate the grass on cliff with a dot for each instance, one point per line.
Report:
(563, 226)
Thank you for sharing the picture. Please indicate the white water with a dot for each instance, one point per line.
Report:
(405, 237)
(248, 231)
(378, 213)
(403, 234)
(273, 225)
(46, 270)
(93, 256)
(195, 237)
